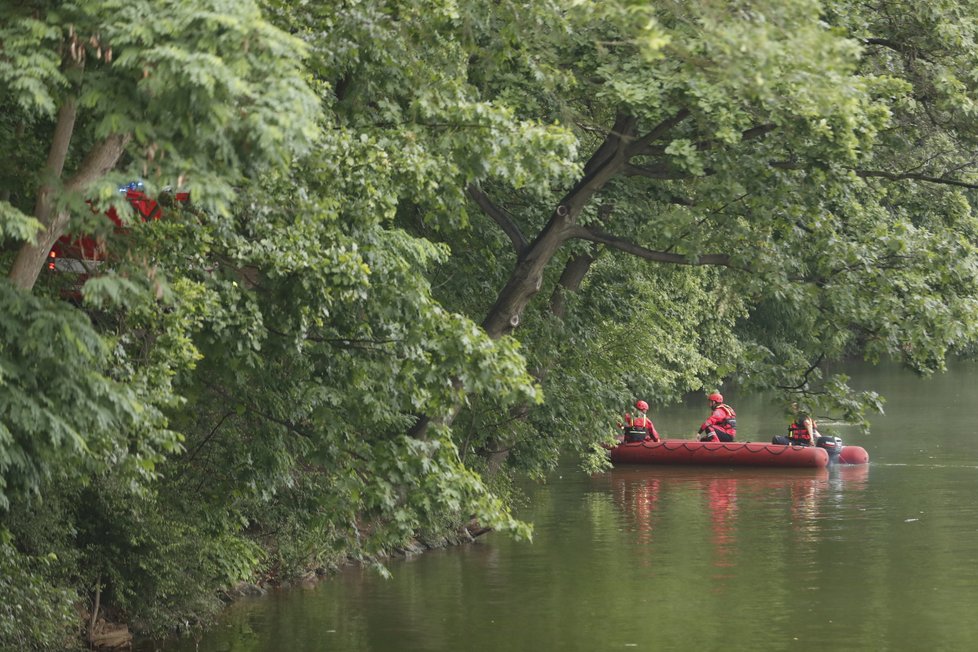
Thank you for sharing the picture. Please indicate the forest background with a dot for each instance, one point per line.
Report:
(431, 247)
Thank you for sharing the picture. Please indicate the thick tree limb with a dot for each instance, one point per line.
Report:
(638, 147)
(898, 176)
(758, 131)
(526, 278)
(500, 217)
(573, 275)
(570, 281)
(662, 172)
(904, 49)
(60, 140)
(603, 165)
(99, 161)
(474, 530)
(622, 129)
(593, 235)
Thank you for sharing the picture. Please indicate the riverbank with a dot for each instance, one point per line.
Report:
(273, 580)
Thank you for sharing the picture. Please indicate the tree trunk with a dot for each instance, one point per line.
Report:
(95, 608)
(31, 257)
(526, 279)
(102, 158)
(570, 281)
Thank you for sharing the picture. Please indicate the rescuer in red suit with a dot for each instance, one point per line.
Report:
(721, 425)
(639, 427)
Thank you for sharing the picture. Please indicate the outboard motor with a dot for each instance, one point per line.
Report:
(832, 445)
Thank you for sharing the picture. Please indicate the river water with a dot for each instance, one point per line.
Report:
(880, 557)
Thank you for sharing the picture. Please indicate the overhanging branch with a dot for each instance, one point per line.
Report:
(620, 131)
(621, 244)
(659, 172)
(898, 176)
(904, 49)
(639, 146)
(500, 217)
(804, 377)
(601, 167)
(757, 131)
(662, 170)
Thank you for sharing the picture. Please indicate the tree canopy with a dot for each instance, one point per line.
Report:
(430, 247)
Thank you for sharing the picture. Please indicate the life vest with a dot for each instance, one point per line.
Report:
(641, 422)
(798, 431)
(637, 429)
(729, 424)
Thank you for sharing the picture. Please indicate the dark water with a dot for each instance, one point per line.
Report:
(883, 557)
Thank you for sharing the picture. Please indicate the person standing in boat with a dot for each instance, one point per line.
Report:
(802, 431)
(721, 425)
(639, 427)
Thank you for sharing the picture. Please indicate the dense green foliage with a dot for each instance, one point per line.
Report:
(432, 245)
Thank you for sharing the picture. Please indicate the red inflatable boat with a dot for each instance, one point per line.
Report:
(683, 451)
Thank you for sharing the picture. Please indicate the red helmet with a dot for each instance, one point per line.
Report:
(642, 406)
(715, 397)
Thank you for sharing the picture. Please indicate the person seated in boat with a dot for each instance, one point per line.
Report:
(721, 425)
(802, 431)
(639, 427)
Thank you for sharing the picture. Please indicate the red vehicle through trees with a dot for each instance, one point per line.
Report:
(83, 254)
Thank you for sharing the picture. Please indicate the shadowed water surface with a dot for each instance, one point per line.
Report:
(882, 557)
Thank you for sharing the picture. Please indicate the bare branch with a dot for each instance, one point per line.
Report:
(895, 176)
(190, 457)
(702, 220)
(500, 217)
(285, 423)
(804, 377)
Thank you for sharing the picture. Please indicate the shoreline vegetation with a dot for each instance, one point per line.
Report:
(284, 283)
(117, 635)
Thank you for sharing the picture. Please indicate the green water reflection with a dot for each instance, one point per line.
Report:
(883, 557)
